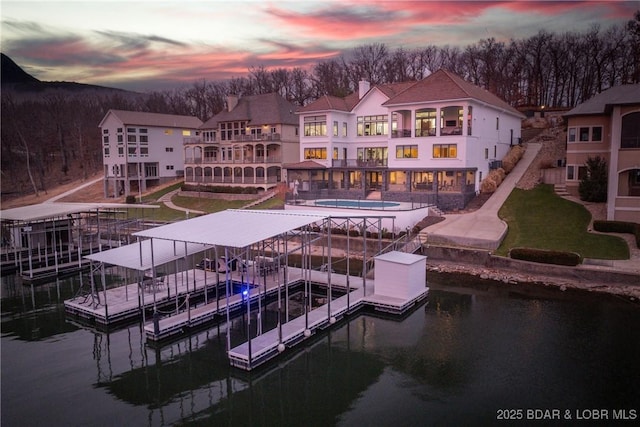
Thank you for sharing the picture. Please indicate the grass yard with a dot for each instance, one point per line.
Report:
(541, 219)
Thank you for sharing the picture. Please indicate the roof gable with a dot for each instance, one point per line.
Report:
(443, 85)
(265, 109)
(604, 101)
(141, 118)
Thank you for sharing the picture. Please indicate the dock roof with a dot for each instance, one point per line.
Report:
(42, 211)
(144, 254)
(233, 228)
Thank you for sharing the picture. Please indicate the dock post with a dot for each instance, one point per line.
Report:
(156, 323)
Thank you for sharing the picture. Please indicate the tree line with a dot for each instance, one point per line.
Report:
(48, 139)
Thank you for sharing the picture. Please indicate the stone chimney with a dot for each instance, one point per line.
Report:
(232, 101)
(363, 88)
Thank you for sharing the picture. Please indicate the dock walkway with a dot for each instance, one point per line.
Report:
(175, 324)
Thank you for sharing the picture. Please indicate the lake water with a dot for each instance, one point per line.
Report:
(472, 351)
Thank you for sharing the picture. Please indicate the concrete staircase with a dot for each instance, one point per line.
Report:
(561, 190)
(374, 195)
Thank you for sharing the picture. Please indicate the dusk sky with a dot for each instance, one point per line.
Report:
(157, 45)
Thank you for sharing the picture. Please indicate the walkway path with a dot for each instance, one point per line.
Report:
(73, 190)
(482, 228)
(166, 199)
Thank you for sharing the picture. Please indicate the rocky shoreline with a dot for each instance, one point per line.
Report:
(512, 278)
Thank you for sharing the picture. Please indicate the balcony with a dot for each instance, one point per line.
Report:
(401, 133)
(359, 163)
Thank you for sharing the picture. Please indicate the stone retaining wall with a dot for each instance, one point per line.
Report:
(219, 196)
(484, 259)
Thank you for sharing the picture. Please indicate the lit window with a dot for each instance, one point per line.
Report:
(186, 132)
(407, 152)
(315, 153)
(442, 151)
(168, 131)
(315, 126)
(335, 128)
(572, 135)
(373, 125)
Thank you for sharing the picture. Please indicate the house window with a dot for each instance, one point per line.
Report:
(132, 151)
(169, 167)
(106, 151)
(168, 131)
(373, 125)
(315, 153)
(335, 128)
(144, 151)
(315, 126)
(497, 123)
(120, 151)
(344, 129)
(131, 138)
(630, 137)
(495, 151)
(486, 153)
(144, 139)
(131, 130)
(407, 152)
(120, 139)
(373, 153)
(584, 134)
(169, 149)
(335, 152)
(570, 173)
(119, 130)
(442, 151)
(105, 139)
(469, 120)
(105, 131)
(142, 130)
(426, 122)
(186, 132)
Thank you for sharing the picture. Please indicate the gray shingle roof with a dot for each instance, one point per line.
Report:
(140, 118)
(602, 102)
(266, 109)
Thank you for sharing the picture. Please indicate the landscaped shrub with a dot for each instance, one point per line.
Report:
(618, 227)
(545, 256)
(130, 199)
(488, 186)
(593, 187)
(512, 158)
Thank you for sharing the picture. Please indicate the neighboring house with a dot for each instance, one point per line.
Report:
(244, 145)
(140, 149)
(608, 126)
(428, 141)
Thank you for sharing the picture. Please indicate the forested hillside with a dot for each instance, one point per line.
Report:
(50, 130)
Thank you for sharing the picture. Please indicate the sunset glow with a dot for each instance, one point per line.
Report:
(149, 45)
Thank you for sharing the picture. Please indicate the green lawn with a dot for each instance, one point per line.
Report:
(541, 219)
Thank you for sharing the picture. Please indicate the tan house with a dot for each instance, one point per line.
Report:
(244, 145)
(608, 125)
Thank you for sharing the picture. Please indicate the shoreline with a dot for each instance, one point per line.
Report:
(513, 278)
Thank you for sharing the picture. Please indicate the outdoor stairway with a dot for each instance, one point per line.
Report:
(374, 195)
(561, 190)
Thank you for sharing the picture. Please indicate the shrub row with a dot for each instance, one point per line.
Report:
(220, 189)
(618, 227)
(496, 176)
(545, 256)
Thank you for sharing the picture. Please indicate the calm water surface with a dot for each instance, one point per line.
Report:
(469, 352)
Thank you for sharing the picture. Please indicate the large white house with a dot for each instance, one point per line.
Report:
(245, 144)
(142, 149)
(428, 141)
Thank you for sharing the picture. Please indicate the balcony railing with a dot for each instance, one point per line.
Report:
(359, 163)
(246, 160)
(235, 138)
(401, 133)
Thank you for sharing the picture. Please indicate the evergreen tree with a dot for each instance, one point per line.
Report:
(593, 186)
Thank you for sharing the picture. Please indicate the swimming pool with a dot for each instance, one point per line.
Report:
(357, 204)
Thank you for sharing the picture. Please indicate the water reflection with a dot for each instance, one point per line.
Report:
(469, 351)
